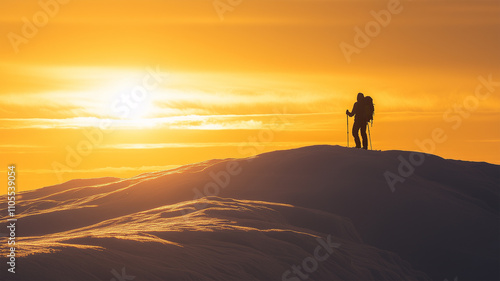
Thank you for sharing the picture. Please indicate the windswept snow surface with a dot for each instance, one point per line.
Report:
(316, 213)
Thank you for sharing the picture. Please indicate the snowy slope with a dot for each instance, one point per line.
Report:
(228, 240)
(442, 221)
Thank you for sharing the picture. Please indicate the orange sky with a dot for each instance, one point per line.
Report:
(180, 82)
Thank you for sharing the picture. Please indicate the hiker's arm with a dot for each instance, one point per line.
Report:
(351, 114)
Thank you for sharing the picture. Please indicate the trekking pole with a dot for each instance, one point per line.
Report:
(370, 137)
(347, 116)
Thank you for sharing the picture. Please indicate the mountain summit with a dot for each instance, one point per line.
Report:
(318, 212)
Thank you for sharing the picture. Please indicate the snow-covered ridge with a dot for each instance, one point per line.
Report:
(264, 215)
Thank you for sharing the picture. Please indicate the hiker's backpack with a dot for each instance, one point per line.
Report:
(369, 108)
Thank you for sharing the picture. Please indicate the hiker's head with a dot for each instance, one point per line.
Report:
(360, 97)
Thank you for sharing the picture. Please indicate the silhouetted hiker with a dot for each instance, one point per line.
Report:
(361, 119)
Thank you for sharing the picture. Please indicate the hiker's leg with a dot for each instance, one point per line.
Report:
(355, 129)
(364, 136)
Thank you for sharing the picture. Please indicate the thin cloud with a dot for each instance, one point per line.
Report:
(197, 145)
